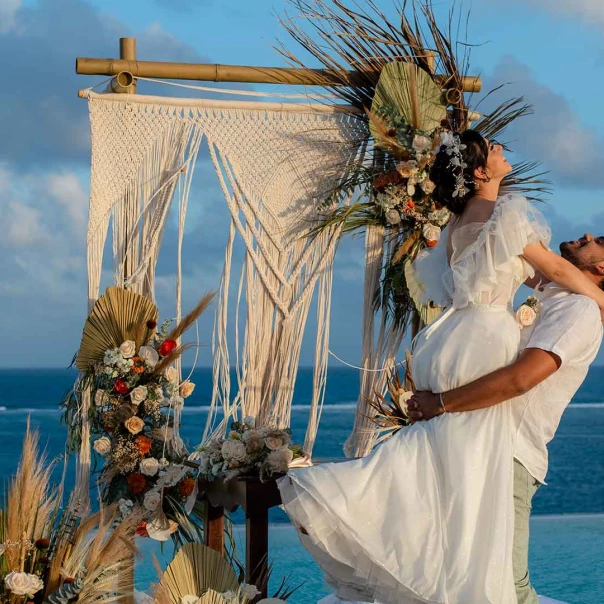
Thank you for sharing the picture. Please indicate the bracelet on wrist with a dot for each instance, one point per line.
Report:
(442, 403)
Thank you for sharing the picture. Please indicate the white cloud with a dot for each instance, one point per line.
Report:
(66, 189)
(554, 134)
(23, 225)
(591, 11)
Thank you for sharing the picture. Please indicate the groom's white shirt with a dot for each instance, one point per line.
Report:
(570, 326)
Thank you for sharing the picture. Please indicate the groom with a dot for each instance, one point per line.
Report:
(556, 353)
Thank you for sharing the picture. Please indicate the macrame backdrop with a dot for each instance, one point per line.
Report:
(274, 162)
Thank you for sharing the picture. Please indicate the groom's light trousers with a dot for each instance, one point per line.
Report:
(525, 486)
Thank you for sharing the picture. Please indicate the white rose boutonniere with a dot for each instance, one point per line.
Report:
(128, 349)
(527, 314)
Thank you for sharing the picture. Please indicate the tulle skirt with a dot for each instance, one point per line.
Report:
(428, 516)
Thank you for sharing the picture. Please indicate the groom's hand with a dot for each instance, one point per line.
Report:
(423, 406)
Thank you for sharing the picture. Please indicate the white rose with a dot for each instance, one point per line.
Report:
(421, 143)
(250, 421)
(139, 394)
(100, 396)
(36, 584)
(149, 466)
(172, 375)
(134, 425)
(278, 461)
(233, 450)
(152, 500)
(526, 315)
(128, 349)
(186, 389)
(276, 441)
(411, 190)
(249, 591)
(427, 186)
(431, 233)
(102, 445)
(407, 168)
(393, 217)
(22, 584)
(149, 355)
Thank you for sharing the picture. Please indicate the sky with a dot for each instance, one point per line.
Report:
(549, 51)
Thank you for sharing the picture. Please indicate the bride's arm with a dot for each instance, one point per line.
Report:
(562, 272)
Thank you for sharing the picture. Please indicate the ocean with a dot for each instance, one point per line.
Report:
(575, 479)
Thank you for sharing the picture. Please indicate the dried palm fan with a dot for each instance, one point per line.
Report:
(391, 415)
(409, 92)
(116, 316)
(195, 570)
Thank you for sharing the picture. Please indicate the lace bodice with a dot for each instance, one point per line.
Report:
(486, 265)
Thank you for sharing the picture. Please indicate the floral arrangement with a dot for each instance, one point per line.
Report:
(247, 450)
(50, 554)
(135, 392)
(408, 79)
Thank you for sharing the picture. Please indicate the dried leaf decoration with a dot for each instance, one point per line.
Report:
(411, 92)
(116, 316)
(427, 312)
(195, 570)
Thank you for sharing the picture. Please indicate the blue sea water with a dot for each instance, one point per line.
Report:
(566, 550)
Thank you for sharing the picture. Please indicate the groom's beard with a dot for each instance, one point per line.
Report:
(569, 253)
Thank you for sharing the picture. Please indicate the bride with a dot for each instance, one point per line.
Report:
(428, 516)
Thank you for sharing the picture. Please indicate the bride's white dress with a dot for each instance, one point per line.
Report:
(428, 516)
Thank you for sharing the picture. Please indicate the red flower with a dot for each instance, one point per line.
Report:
(136, 483)
(120, 386)
(430, 243)
(141, 529)
(44, 560)
(42, 543)
(167, 347)
(186, 486)
(143, 444)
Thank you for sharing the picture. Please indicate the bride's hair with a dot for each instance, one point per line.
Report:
(445, 175)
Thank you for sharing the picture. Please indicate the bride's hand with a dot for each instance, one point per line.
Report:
(423, 406)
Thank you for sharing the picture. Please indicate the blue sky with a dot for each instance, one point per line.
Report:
(551, 51)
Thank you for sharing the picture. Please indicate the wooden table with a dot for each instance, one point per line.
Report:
(256, 498)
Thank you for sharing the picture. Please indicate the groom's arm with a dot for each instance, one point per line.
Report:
(532, 367)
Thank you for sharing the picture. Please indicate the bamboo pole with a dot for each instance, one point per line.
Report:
(127, 53)
(207, 72)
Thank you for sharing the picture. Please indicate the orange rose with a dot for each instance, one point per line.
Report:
(136, 483)
(186, 486)
(143, 444)
(431, 243)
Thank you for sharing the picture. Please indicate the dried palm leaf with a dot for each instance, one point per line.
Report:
(194, 570)
(30, 504)
(411, 92)
(191, 316)
(173, 356)
(115, 317)
(390, 415)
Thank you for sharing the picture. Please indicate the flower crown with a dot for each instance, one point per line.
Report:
(453, 148)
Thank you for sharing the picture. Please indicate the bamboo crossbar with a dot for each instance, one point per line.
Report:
(207, 72)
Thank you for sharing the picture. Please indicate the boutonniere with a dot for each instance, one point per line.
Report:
(528, 311)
